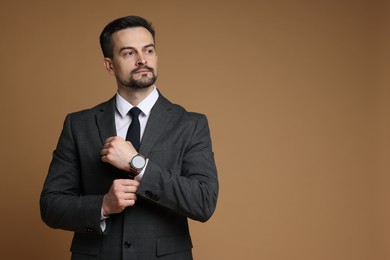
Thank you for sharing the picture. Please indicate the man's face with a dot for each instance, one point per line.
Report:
(134, 61)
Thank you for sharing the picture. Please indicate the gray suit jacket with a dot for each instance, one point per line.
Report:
(180, 182)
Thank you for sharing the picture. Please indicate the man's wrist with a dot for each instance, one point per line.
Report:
(104, 213)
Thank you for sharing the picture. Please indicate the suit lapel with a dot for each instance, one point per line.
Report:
(105, 119)
(160, 116)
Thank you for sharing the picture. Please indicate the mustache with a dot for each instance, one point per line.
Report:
(142, 68)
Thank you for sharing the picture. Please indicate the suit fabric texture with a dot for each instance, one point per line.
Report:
(180, 182)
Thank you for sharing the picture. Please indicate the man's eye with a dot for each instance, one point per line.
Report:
(129, 53)
(149, 51)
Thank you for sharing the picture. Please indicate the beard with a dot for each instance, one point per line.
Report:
(144, 81)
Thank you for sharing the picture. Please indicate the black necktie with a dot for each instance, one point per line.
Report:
(134, 132)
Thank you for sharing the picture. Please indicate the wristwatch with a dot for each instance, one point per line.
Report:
(137, 164)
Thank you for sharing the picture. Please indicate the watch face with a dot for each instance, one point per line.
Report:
(138, 162)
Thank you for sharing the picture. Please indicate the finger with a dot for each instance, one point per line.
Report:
(123, 187)
(125, 202)
(129, 189)
(114, 138)
(129, 203)
(129, 182)
(105, 158)
(125, 182)
(131, 196)
(109, 139)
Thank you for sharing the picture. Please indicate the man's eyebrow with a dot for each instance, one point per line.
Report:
(126, 48)
(149, 45)
(132, 48)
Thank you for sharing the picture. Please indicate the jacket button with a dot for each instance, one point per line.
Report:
(127, 245)
(151, 195)
(148, 194)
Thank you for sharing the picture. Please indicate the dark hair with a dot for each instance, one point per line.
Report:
(120, 24)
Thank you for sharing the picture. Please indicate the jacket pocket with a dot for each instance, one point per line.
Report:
(170, 245)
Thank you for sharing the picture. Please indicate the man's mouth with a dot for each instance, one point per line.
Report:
(143, 70)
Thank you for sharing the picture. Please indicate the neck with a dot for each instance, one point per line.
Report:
(134, 96)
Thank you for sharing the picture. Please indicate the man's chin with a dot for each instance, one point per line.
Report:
(144, 82)
(140, 85)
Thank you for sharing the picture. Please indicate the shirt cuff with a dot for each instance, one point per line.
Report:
(141, 174)
(103, 220)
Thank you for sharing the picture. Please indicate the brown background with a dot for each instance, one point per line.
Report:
(296, 92)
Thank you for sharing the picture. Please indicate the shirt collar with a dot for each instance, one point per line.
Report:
(145, 105)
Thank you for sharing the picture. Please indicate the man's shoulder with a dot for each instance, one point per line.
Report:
(93, 110)
(180, 110)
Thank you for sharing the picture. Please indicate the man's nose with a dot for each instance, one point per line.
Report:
(141, 59)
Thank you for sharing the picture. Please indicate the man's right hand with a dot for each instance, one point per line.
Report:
(121, 195)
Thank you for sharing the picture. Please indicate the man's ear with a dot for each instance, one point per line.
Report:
(108, 65)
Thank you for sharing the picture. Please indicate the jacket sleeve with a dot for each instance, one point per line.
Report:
(62, 203)
(191, 189)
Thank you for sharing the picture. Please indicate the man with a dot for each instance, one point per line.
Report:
(125, 184)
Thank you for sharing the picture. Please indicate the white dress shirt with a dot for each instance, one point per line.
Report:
(123, 121)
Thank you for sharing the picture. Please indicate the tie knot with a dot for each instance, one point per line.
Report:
(134, 112)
